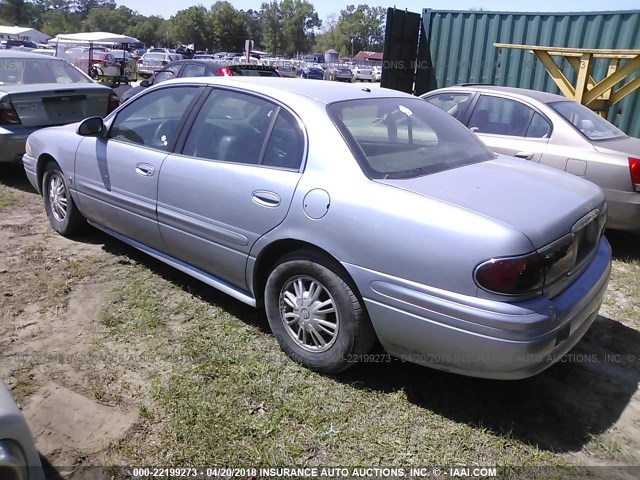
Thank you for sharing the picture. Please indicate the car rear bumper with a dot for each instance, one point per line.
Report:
(623, 210)
(477, 337)
(12, 141)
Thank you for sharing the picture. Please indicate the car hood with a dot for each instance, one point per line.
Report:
(627, 146)
(541, 202)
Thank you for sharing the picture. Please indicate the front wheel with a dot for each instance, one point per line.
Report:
(315, 315)
(64, 216)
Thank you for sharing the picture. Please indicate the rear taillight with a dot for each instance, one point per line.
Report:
(634, 169)
(114, 102)
(225, 72)
(539, 270)
(511, 276)
(8, 114)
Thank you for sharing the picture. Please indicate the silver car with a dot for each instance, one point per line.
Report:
(38, 91)
(150, 62)
(555, 131)
(348, 214)
(19, 457)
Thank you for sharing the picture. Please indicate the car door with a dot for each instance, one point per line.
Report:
(232, 182)
(116, 175)
(510, 127)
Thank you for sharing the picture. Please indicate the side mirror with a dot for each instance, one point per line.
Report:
(91, 126)
(145, 83)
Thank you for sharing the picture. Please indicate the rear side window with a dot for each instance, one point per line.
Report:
(501, 116)
(405, 137)
(231, 127)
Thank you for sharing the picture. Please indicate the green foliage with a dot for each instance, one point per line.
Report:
(362, 24)
(282, 27)
(227, 27)
(192, 25)
(108, 20)
(289, 26)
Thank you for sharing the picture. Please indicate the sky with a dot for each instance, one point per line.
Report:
(325, 7)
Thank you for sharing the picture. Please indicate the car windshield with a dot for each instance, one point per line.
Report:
(589, 123)
(154, 56)
(405, 137)
(27, 71)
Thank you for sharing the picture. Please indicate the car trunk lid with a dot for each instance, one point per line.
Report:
(56, 104)
(541, 202)
(628, 146)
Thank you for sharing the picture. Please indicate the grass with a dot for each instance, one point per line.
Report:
(229, 396)
(6, 197)
(213, 388)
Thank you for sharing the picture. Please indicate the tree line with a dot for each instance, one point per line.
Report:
(282, 27)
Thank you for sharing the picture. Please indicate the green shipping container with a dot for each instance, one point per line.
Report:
(461, 50)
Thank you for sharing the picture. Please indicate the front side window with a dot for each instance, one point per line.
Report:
(455, 104)
(405, 137)
(501, 116)
(586, 121)
(153, 120)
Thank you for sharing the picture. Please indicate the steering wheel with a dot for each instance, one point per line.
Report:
(164, 133)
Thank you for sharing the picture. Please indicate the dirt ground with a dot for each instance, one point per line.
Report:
(87, 406)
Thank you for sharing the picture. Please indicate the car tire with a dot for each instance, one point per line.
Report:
(64, 216)
(346, 331)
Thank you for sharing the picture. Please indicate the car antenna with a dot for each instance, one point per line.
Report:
(365, 89)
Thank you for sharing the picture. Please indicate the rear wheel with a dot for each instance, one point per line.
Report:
(64, 216)
(315, 315)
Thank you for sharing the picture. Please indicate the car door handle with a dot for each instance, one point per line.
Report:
(525, 155)
(145, 169)
(265, 198)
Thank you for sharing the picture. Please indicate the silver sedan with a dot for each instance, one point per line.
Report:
(347, 214)
(555, 131)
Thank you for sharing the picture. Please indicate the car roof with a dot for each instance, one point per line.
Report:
(543, 97)
(323, 92)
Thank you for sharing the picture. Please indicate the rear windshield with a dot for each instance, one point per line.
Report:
(405, 137)
(255, 71)
(23, 71)
(589, 123)
(154, 56)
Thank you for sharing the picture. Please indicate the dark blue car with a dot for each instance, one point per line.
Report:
(315, 73)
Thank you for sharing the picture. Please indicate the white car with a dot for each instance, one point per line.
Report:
(377, 73)
(363, 74)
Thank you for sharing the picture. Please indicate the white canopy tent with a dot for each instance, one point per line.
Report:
(98, 38)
